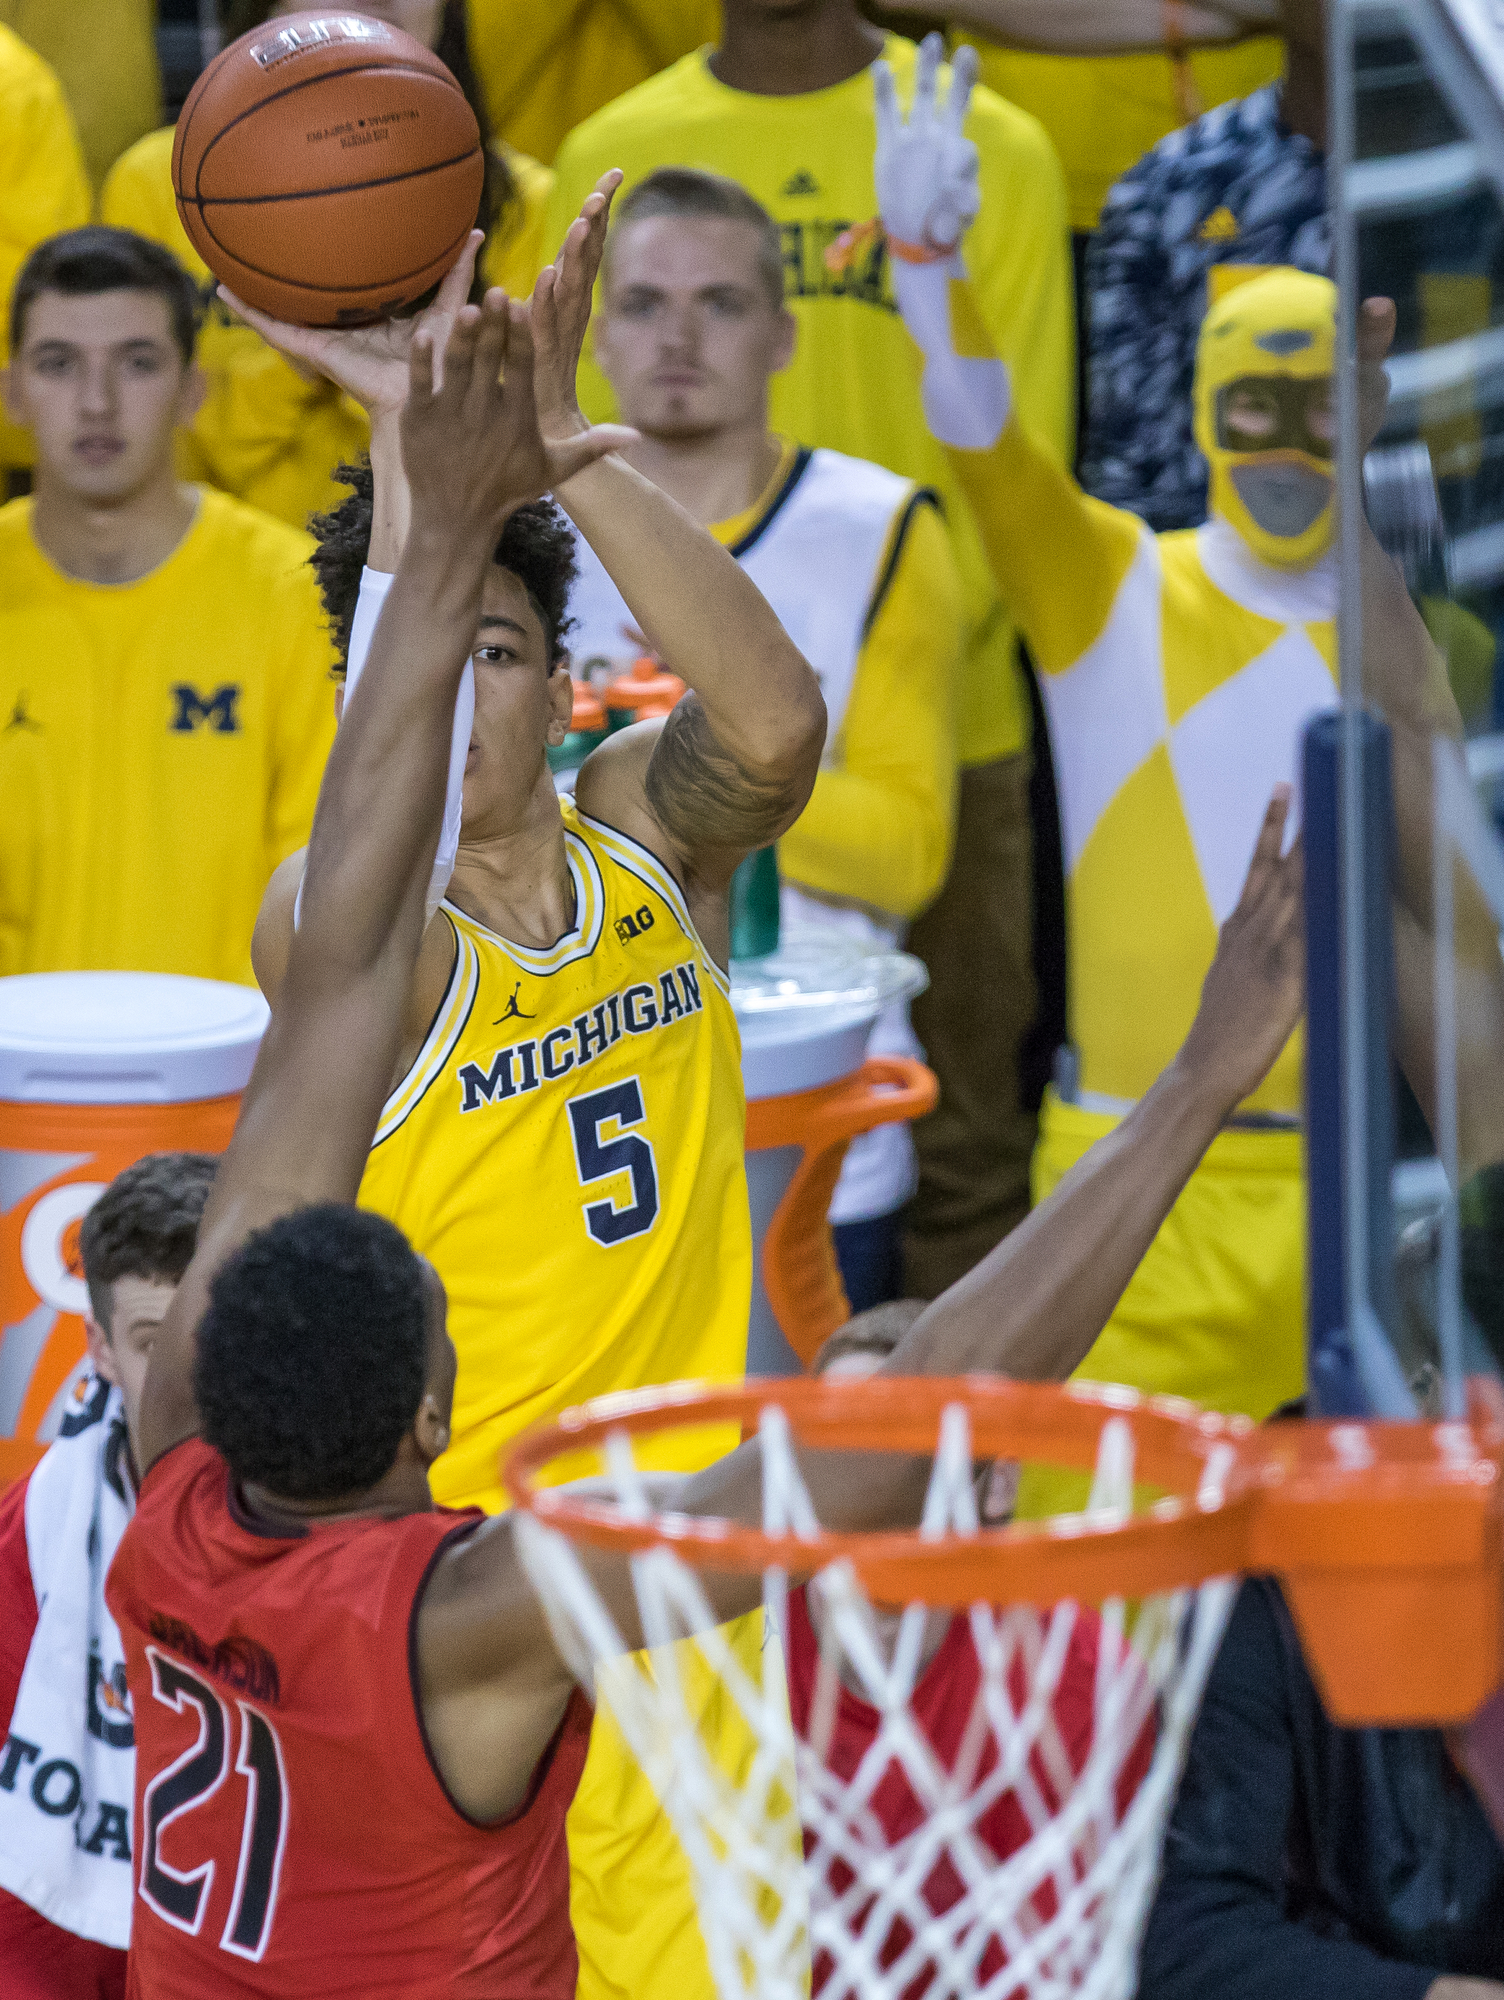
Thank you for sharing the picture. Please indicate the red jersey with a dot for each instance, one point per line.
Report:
(943, 1701)
(292, 1833)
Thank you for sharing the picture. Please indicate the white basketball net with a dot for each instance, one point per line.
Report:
(797, 1867)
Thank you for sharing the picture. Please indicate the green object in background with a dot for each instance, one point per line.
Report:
(576, 747)
(754, 905)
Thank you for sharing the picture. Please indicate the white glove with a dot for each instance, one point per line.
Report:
(928, 191)
(374, 585)
(928, 194)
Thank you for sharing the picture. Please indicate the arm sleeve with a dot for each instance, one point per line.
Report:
(1058, 556)
(374, 585)
(1218, 1924)
(303, 726)
(879, 825)
(1018, 252)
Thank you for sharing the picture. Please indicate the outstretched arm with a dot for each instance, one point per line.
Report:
(1059, 556)
(472, 450)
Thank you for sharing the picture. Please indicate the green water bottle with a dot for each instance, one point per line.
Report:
(754, 905)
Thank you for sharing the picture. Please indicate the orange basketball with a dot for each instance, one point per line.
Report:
(327, 168)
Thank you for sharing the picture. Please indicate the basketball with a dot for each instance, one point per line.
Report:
(327, 168)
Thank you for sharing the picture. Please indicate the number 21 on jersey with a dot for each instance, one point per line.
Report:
(605, 1145)
(180, 1896)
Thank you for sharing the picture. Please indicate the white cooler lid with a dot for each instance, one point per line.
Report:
(805, 1011)
(125, 1037)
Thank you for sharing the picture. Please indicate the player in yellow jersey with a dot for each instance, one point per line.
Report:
(565, 1136)
(565, 1132)
(267, 431)
(163, 715)
(1178, 672)
(783, 105)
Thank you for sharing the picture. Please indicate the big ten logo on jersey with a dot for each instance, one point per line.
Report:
(218, 712)
(832, 260)
(634, 924)
(640, 1009)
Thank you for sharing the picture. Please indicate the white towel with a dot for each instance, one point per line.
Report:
(68, 1768)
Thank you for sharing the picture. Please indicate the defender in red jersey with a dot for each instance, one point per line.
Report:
(355, 1737)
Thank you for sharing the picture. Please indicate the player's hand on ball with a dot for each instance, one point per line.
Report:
(1255, 991)
(926, 171)
(560, 311)
(369, 363)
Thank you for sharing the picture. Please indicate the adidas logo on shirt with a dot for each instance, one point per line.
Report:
(800, 183)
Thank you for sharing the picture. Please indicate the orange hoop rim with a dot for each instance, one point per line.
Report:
(1387, 1538)
(1178, 1541)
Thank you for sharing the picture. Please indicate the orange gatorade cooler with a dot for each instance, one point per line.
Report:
(96, 1069)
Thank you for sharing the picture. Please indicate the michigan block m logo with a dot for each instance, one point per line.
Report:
(190, 709)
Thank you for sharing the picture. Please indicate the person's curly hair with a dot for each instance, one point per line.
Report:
(313, 1353)
(536, 546)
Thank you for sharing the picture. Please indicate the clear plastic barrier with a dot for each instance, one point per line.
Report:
(1417, 194)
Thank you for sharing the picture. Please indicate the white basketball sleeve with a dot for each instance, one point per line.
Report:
(967, 397)
(374, 585)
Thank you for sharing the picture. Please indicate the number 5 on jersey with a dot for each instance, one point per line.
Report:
(605, 1146)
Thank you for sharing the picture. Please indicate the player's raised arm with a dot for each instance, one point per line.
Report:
(472, 451)
(734, 764)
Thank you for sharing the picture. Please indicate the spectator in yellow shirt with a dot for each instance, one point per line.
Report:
(544, 69)
(43, 187)
(267, 431)
(165, 708)
(784, 106)
(692, 330)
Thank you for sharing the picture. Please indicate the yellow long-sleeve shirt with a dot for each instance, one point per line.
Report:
(1105, 112)
(853, 384)
(43, 186)
(880, 822)
(161, 746)
(263, 432)
(544, 70)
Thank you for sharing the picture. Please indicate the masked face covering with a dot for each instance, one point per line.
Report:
(1264, 413)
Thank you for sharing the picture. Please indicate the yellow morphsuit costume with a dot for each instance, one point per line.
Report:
(1178, 672)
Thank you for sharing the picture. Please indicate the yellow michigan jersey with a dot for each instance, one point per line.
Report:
(567, 1149)
(852, 385)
